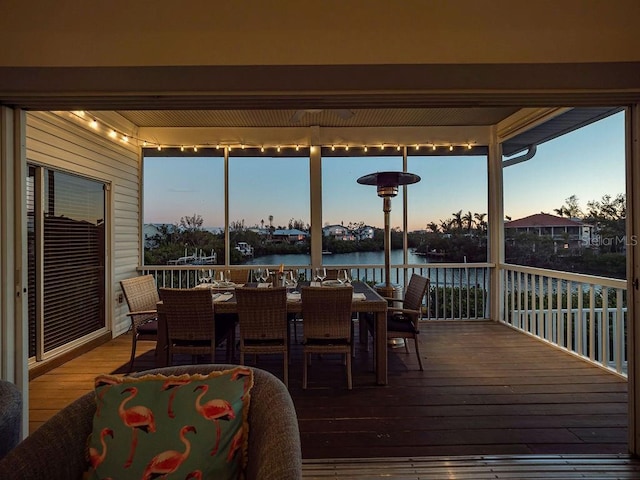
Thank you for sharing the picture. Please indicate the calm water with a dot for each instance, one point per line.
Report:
(356, 258)
(446, 276)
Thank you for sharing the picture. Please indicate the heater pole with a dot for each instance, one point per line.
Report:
(386, 208)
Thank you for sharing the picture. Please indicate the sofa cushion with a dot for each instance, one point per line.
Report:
(156, 425)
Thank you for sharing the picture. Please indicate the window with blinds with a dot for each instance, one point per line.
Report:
(66, 259)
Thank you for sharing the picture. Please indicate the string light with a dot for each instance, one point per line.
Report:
(116, 133)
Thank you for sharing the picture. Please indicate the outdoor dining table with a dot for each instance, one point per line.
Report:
(372, 302)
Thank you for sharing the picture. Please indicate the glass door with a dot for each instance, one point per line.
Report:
(66, 259)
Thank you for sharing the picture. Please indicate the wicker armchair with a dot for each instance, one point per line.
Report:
(58, 449)
(262, 315)
(142, 298)
(191, 324)
(327, 326)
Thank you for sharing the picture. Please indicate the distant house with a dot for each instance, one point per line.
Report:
(365, 233)
(214, 230)
(338, 232)
(151, 230)
(290, 235)
(570, 232)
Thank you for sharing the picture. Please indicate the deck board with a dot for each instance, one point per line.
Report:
(486, 390)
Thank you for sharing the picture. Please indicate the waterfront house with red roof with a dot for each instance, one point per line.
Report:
(571, 232)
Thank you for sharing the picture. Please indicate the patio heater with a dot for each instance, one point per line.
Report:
(387, 183)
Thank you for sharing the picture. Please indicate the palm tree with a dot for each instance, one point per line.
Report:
(480, 222)
(433, 226)
(445, 225)
(561, 211)
(457, 220)
(467, 219)
(270, 222)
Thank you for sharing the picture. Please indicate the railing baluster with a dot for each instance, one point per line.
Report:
(580, 343)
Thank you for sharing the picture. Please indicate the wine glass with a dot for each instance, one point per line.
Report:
(292, 279)
(344, 276)
(265, 275)
(257, 274)
(202, 276)
(321, 274)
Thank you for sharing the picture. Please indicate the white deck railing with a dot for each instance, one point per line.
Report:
(582, 314)
(457, 291)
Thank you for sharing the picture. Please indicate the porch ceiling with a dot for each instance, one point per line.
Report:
(332, 117)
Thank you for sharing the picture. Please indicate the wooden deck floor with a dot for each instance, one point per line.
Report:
(486, 390)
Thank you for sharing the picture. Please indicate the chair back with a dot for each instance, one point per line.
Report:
(262, 313)
(239, 275)
(416, 291)
(189, 314)
(326, 312)
(141, 294)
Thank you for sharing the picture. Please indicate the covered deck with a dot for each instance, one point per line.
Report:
(486, 390)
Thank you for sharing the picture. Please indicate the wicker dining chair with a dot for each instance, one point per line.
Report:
(403, 322)
(262, 317)
(326, 324)
(191, 324)
(142, 299)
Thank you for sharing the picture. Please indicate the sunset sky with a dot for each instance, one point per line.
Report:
(588, 163)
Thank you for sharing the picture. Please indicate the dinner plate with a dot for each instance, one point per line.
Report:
(333, 283)
(224, 284)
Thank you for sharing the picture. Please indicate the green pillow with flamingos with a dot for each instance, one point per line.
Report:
(183, 427)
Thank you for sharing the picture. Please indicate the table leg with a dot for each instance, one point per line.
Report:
(381, 348)
(162, 352)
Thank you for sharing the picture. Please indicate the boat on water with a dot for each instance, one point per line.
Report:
(327, 252)
(245, 249)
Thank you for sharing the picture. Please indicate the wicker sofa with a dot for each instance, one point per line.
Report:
(57, 450)
(10, 416)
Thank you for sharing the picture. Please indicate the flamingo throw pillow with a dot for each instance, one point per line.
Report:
(187, 426)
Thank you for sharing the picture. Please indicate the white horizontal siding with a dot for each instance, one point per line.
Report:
(57, 142)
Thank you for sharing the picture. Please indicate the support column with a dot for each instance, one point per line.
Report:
(632, 136)
(315, 176)
(13, 256)
(495, 233)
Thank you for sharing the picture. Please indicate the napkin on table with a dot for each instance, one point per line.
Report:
(222, 297)
(264, 285)
(359, 296)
